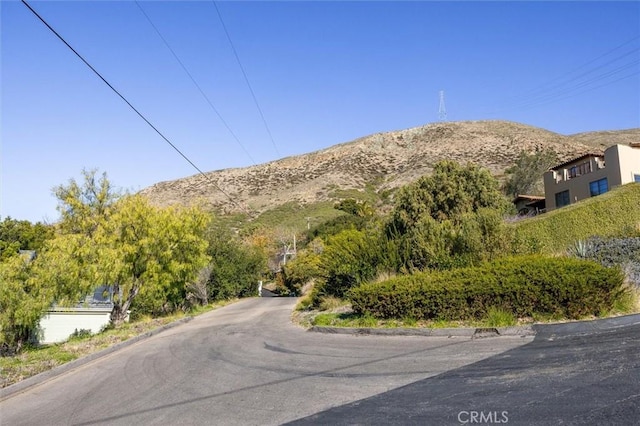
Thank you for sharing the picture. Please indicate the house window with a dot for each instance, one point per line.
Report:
(562, 198)
(579, 170)
(598, 187)
(636, 178)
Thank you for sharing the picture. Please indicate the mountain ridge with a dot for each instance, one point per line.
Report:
(384, 160)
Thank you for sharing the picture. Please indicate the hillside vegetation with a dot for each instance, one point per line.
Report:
(612, 214)
(370, 168)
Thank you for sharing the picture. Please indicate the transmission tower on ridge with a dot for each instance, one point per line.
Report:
(442, 110)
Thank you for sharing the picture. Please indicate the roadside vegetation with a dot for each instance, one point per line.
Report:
(154, 261)
(441, 255)
(613, 214)
(445, 255)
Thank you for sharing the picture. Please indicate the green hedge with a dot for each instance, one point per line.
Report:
(525, 285)
(615, 213)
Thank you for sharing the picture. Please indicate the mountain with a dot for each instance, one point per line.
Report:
(382, 161)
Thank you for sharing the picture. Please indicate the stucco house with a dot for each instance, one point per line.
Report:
(591, 174)
(92, 314)
(58, 323)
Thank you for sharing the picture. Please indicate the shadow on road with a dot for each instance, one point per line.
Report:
(580, 379)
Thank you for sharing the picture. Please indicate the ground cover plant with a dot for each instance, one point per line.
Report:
(613, 214)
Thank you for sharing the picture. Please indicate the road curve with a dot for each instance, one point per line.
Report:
(244, 364)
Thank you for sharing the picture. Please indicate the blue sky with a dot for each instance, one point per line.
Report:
(323, 73)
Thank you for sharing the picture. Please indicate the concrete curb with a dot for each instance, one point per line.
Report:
(585, 327)
(541, 330)
(471, 333)
(27, 383)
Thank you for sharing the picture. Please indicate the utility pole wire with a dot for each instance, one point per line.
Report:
(195, 82)
(131, 106)
(548, 93)
(246, 79)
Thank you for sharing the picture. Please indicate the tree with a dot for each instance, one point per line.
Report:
(18, 235)
(525, 176)
(23, 300)
(450, 218)
(449, 193)
(236, 267)
(83, 207)
(197, 291)
(141, 251)
(151, 251)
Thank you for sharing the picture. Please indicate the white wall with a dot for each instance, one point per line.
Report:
(57, 325)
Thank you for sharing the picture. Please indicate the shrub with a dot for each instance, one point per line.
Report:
(349, 259)
(610, 252)
(527, 286)
(80, 334)
(300, 270)
(614, 214)
(336, 225)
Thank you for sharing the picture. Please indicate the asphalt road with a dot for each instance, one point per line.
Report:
(564, 377)
(246, 364)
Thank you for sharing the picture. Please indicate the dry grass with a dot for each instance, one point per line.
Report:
(377, 162)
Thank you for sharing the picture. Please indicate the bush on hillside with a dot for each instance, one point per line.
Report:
(336, 225)
(449, 219)
(301, 270)
(349, 259)
(449, 193)
(525, 285)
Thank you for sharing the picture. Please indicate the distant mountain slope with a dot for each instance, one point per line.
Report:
(605, 139)
(385, 160)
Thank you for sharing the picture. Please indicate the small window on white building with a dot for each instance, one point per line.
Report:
(636, 178)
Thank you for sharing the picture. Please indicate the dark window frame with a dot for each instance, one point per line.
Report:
(598, 187)
(563, 198)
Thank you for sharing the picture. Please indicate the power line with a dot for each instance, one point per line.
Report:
(580, 67)
(130, 105)
(569, 85)
(246, 79)
(583, 79)
(573, 90)
(215, 110)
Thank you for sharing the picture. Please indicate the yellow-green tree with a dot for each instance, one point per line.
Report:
(84, 206)
(16, 235)
(150, 251)
(139, 250)
(23, 299)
